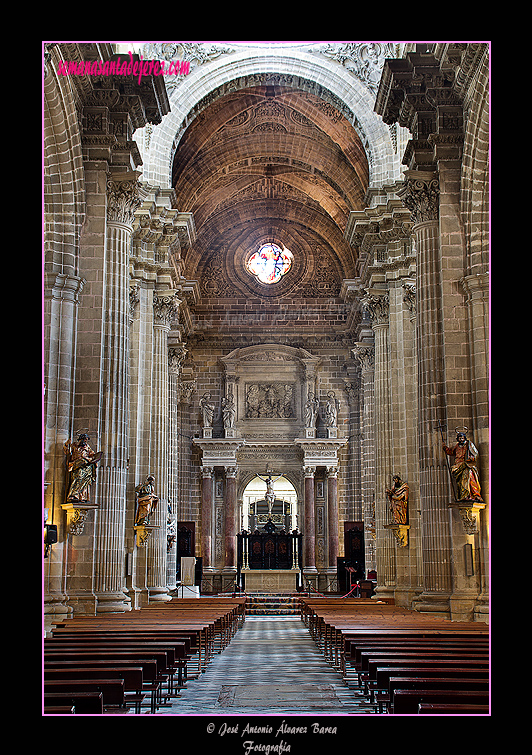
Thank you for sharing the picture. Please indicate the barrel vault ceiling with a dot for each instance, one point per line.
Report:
(269, 164)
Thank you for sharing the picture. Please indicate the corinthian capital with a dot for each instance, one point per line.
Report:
(378, 307)
(165, 309)
(365, 355)
(123, 199)
(421, 194)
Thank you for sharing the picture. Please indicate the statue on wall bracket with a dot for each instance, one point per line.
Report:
(331, 415)
(464, 478)
(311, 415)
(207, 413)
(398, 497)
(464, 470)
(228, 413)
(81, 468)
(146, 503)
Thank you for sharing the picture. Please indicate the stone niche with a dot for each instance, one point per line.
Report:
(269, 385)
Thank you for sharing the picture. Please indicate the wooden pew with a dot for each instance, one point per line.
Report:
(59, 710)
(355, 636)
(169, 635)
(387, 677)
(112, 690)
(432, 653)
(380, 671)
(132, 677)
(453, 709)
(88, 703)
(407, 701)
(114, 657)
(176, 651)
(150, 685)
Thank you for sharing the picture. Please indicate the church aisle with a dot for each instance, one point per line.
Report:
(271, 667)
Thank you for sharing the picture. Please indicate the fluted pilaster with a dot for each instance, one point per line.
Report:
(164, 308)
(122, 201)
(421, 196)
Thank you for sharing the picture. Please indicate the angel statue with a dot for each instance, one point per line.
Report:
(81, 465)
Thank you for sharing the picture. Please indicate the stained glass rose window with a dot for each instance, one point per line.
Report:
(270, 263)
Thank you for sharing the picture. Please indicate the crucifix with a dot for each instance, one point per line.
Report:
(270, 494)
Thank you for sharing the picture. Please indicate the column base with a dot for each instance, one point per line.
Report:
(55, 609)
(158, 594)
(228, 575)
(436, 604)
(112, 602)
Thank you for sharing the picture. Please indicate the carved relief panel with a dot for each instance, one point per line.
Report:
(269, 385)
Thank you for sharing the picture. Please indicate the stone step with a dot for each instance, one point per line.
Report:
(272, 604)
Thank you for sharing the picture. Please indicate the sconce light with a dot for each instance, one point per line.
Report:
(50, 537)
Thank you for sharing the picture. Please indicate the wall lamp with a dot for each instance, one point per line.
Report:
(50, 537)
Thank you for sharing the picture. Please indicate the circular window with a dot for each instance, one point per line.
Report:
(270, 263)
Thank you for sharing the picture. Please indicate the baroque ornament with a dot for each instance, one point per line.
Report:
(421, 194)
(365, 61)
(122, 201)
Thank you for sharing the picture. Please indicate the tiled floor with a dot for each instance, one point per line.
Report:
(271, 666)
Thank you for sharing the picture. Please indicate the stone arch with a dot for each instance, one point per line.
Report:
(63, 174)
(241, 70)
(475, 175)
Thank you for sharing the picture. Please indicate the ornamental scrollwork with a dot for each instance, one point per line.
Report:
(421, 195)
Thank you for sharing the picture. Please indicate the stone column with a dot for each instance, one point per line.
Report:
(477, 290)
(176, 356)
(122, 201)
(332, 515)
(421, 196)
(364, 353)
(164, 309)
(61, 300)
(377, 304)
(309, 531)
(207, 502)
(230, 518)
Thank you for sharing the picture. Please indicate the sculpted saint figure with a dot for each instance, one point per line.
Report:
(464, 469)
(398, 496)
(311, 411)
(207, 410)
(146, 500)
(228, 409)
(81, 464)
(331, 410)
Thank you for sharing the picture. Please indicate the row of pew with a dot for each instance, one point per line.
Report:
(134, 662)
(400, 661)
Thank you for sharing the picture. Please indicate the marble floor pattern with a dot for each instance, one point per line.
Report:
(271, 667)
